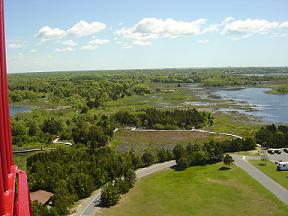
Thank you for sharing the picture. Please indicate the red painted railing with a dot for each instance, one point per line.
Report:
(10, 175)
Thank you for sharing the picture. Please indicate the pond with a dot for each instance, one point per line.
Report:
(271, 108)
(18, 109)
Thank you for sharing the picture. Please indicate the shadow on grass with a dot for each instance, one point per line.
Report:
(176, 168)
(224, 168)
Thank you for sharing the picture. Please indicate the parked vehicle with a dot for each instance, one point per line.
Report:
(285, 150)
(282, 166)
(277, 151)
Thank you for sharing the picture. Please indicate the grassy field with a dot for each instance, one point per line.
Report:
(125, 139)
(198, 191)
(270, 170)
(235, 123)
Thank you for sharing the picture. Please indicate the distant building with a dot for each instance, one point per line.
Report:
(41, 196)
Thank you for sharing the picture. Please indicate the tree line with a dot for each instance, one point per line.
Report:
(165, 119)
(272, 136)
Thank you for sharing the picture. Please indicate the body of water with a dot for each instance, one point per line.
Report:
(271, 108)
(18, 109)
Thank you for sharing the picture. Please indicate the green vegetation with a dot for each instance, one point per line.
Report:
(228, 160)
(235, 123)
(125, 140)
(165, 119)
(204, 190)
(278, 88)
(85, 108)
(270, 170)
(209, 153)
(273, 136)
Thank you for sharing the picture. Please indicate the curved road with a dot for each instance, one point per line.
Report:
(267, 182)
(90, 208)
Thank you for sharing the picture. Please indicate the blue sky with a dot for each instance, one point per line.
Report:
(58, 35)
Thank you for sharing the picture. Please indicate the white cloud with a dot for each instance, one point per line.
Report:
(248, 27)
(15, 45)
(70, 43)
(169, 27)
(48, 33)
(149, 29)
(203, 41)
(94, 44)
(84, 28)
(66, 49)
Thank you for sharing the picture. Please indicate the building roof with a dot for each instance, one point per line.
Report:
(41, 196)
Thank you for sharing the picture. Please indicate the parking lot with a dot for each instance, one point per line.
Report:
(278, 157)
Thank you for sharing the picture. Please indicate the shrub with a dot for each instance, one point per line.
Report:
(110, 195)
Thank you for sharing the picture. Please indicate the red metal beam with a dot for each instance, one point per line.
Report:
(3, 103)
(23, 206)
(4, 90)
(9, 204)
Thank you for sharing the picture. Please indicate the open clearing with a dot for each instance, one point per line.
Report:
(124, 140)
(270, 170)
(198, 191)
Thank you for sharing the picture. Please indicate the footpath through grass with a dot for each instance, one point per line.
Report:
(270, 170)
(198, 191)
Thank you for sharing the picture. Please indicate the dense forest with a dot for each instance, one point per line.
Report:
(73, 173)
(165, 119)
(77, 89)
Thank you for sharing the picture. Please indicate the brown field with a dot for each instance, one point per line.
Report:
(124, 140)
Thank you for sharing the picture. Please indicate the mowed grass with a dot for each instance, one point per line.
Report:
(198, 191)
(124, 140)
(270, 170)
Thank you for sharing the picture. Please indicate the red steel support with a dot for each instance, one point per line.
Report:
(3, 134)
(10, 203)
(4, 90)
(1, 191)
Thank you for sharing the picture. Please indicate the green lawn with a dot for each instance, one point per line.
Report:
(270, 170)
(198, 191)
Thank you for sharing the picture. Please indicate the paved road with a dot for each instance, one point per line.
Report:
(89, 207)
(263, 179)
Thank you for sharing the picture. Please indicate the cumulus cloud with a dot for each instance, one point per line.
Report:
(249, 27)
(70, 43)
(48, 33)
(94, 44)
(203, 41)
(84, 28)
(66, 49)
(80, 29)
(149, 29)
(15, 45)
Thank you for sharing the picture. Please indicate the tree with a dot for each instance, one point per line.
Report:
(179, 151)
(148, 158)
(182, 163)
(121, 185)
(110, 195)
(228, 160)
(52, 126)
(264, 157)
(130, 177)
